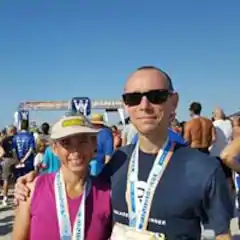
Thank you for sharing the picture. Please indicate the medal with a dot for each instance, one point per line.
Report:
(63, 213)
(139, 213)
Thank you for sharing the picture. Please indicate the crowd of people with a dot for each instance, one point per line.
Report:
(157, 178)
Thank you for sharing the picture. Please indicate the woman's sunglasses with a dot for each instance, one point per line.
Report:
(153, 96)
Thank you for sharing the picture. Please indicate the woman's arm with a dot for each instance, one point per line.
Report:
(21, 227)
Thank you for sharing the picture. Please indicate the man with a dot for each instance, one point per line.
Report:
(105, 143)
(185, 186)
(174, 136)
(24, 146)
(199, 131)
(8, 162)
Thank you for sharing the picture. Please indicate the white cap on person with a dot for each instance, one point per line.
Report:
(70, 126)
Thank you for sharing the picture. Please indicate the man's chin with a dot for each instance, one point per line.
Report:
(148, 130)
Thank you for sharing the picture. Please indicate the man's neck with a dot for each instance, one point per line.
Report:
(195, 115)
(153, 142)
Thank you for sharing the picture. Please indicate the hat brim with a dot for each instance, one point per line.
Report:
(72, 131)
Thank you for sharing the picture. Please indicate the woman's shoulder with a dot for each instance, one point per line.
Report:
(41, 182)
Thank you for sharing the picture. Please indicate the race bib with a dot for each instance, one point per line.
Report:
(124, 232)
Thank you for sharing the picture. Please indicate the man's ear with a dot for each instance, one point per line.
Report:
(175, 100)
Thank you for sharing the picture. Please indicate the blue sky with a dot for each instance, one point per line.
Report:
(55, 50)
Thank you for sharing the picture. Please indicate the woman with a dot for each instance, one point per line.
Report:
(65, 205)
(38, 159)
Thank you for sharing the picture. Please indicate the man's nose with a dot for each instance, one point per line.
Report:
(144, 104)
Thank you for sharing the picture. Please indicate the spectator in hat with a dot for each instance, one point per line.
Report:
(105, 144)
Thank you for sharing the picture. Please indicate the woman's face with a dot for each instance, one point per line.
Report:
(75, 152)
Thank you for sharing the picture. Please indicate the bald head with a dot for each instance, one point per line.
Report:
(148, 73)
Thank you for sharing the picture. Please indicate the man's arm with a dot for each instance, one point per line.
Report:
(224, 237)
(28, 154)
(14, 150)
(21, 227)
(230, 153)
(218, 205)
(22, 190)
(30, 151)
(214, 136)
(2, 151)
(108, 147)
(187, 133)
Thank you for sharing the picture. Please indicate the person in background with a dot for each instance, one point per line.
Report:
(224, 132)
(116, 137)
(175, 125)
(3, 134)
(50, 161)
(8, 161)
(105, 142)
(182, 127)
(199, 132)
(236, 126)
(24, 147)
(43, 134)
(128, 133)
(38, 160)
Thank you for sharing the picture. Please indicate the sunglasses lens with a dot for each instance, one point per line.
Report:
(132, 99)
(154, 96)
(157, 96)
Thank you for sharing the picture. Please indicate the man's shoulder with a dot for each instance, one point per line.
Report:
(196, 160)
(119, 158)
(206, 120)
(122, 153)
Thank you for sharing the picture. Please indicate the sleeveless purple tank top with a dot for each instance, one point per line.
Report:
(44, 222)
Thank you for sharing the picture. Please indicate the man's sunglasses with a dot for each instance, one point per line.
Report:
(153, 96)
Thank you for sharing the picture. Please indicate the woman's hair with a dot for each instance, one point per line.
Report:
(45, 128)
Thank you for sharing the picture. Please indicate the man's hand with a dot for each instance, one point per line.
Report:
(224, 237)
(21, 191)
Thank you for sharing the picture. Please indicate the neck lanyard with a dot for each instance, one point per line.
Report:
(139, 213)
(64, 223)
